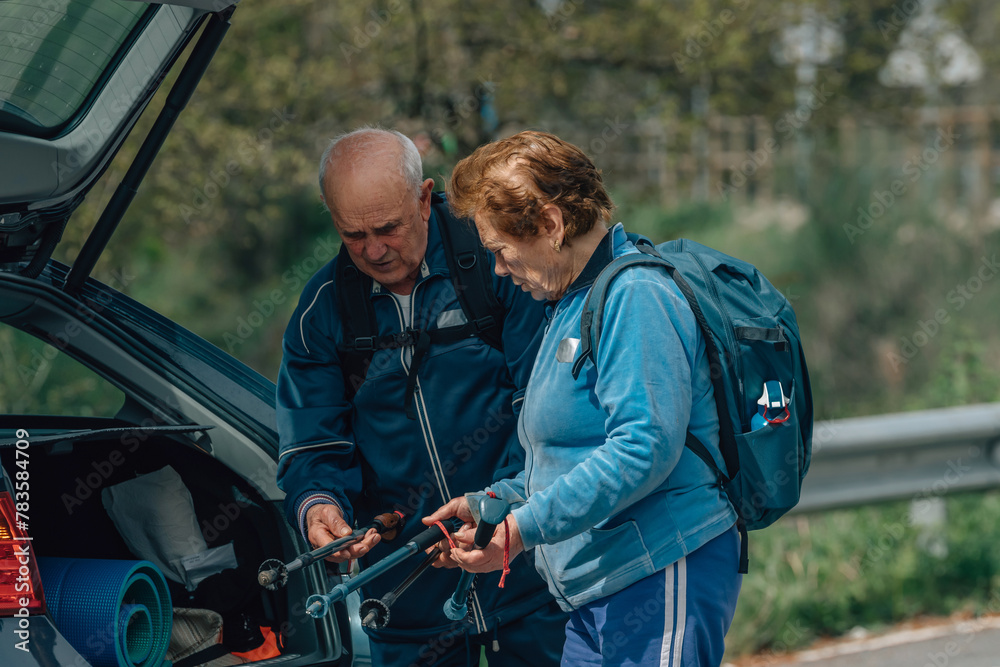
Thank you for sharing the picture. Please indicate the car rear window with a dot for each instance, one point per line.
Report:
(37, 379)
(53, 53)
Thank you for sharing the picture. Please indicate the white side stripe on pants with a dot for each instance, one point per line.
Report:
(674, 613)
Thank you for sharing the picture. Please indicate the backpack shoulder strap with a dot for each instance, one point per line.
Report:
(357, 320)
(592, 319)
(469, 265)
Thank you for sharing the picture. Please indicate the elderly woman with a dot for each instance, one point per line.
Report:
(629, 528)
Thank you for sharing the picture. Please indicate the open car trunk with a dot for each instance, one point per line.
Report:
(69, 478)
(170, 400)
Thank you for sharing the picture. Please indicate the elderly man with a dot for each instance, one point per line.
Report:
(391, 397)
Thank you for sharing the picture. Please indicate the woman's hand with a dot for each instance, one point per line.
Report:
(490, 558)
(457, 507)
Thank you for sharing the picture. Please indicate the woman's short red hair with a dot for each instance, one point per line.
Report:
(512, 179)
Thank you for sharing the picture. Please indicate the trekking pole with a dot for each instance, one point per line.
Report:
(375, 612)
(317, 606)
(491, 511)
(273, 574)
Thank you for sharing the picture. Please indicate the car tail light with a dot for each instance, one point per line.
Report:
(20, 582)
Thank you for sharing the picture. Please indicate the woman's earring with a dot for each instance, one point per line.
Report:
(557, 246)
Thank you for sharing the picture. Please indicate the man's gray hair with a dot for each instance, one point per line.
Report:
(410, 166)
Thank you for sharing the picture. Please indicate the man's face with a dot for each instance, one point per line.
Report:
(383, 223)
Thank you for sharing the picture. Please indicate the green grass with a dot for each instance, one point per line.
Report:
(822, 575)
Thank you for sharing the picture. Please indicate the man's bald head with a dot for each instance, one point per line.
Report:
(364, 154)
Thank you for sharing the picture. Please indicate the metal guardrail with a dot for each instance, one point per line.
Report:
(912, 455)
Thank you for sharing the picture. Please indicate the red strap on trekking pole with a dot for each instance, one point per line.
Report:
(506, 545)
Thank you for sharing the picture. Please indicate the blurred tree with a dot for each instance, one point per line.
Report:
(229, 213)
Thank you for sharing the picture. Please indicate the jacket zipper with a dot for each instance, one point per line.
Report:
(425, 429)
(424, 426)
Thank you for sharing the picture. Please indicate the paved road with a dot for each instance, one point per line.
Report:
(971, 643)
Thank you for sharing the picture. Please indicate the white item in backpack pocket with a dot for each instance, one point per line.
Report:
(771, 406)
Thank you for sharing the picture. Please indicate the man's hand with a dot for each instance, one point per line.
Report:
(325, 523)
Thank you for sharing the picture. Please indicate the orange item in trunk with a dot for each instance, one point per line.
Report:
(269, 649)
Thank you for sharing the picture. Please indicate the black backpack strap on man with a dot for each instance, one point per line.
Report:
(469, 266)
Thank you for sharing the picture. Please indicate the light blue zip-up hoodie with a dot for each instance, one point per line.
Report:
(613, 495)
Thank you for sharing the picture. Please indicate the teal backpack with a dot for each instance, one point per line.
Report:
(753, 344)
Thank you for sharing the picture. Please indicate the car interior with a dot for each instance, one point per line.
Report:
(98, 418)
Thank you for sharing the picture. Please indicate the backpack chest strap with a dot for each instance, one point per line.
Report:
(420, 340)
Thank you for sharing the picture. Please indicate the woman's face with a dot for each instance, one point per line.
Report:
(532, 263)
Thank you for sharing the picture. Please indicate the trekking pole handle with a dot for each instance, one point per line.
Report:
(317, 606)
(388, 525)
(492, 512)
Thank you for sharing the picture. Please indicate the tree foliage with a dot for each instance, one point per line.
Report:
(228, 222)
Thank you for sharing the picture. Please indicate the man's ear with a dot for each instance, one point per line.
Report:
(552, 225)
(426, 188)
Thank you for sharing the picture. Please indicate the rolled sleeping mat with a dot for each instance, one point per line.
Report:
(115, 613)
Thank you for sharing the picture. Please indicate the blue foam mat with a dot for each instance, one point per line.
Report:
(115, 613)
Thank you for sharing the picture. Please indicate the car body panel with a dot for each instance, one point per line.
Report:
(46, 647)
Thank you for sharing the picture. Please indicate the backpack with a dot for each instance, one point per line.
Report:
(471, 275)
(751, 338)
